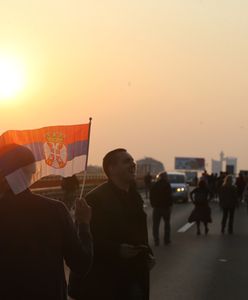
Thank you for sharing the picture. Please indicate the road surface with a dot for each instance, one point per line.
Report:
(213, 267)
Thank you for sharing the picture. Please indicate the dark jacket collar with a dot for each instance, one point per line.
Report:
(115, 188)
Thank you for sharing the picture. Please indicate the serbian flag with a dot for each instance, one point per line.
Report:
(57, 150)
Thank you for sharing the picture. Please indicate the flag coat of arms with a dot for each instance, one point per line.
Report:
(58, 150)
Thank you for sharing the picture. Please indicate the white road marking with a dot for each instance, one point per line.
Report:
(186, 227)
(223, 260)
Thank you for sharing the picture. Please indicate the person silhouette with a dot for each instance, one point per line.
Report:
(200, 197)
(122, 256)
(37, 234)
(228, 202)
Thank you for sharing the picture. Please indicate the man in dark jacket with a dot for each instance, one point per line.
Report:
(161, 201)
(228, 203)
(37, 235)
(122, 257)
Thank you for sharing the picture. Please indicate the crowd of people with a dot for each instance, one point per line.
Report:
(226, 192)
(224, 188)
(214, 183)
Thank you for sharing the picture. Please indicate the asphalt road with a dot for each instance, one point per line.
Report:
(213, 267)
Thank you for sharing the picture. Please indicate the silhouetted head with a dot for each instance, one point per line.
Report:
(17, 165)
(163, 176)
(202, 184)
(241, 175)
(119, 164)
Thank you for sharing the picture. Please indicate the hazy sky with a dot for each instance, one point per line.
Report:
(160, 78)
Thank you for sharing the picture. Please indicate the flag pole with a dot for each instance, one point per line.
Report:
(86, 163)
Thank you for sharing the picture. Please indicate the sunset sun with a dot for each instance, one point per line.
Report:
(12, 78)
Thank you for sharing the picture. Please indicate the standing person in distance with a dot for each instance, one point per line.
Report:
(122, 256)
(161, 202)
(240, 184)
(245, 193)
(148, 184)
(228, 202)
(200, 197)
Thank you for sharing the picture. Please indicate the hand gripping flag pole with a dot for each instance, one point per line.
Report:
(86, 164)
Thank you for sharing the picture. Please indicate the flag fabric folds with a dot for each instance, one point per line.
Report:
(57, 150)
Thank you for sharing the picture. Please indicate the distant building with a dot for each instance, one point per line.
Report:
(231, 165)
(149, 164)
(227, 164)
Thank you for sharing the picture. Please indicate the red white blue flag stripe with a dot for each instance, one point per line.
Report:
(58, 150)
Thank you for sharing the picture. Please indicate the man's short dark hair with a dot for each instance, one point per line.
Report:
(110, 159)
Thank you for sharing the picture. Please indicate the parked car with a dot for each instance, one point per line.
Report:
(180, 188)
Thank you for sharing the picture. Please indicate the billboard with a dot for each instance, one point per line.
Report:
(231, 165)
(189, 163)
